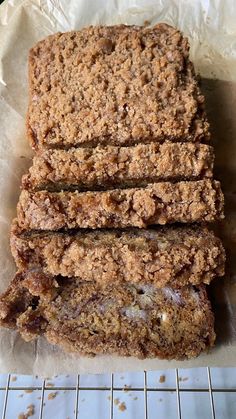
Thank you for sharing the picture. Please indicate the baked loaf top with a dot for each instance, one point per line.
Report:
(129, 320)
(114, 85)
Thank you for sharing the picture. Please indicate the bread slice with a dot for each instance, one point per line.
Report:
(174, 256)
(127, 320)
(116, 85)
(158, 203)
(110, 166)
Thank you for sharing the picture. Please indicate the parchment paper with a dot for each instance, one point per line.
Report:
(211, 28)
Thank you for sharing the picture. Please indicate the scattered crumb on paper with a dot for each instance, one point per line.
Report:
(29, 390)
(122, 407)
(52, 396)
(30, 408)
(50, 385)
(162, 379)
(30, 412)
(126, 388)
(13, 378)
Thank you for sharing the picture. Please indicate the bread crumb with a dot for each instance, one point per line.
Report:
(50, 385)
(13, 378)
(30, 412)
(162, 379)
(52, 396)
(122, 407)
(29, 390)
(126, 388)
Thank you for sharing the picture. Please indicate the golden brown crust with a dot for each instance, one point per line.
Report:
(174, 256)
(107, 167)
(129, 320)
(114, 85)
(158, 203)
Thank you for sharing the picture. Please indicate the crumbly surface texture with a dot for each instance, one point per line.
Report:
(104, 167)
(114, 85)
(128, 320)
(173, 256)
(158, 203)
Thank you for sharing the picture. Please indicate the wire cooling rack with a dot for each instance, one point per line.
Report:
(206, 393)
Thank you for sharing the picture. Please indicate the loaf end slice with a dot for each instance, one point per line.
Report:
(130, 320)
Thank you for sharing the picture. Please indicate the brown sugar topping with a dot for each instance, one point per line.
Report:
(114, 85)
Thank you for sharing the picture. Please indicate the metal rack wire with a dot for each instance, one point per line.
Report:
(112, 388)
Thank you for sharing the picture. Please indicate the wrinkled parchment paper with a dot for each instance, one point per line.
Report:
(211, 28)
